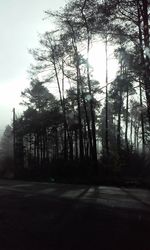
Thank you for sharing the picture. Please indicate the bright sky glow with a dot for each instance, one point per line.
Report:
(97, 59)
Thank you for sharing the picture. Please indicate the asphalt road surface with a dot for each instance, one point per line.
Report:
(69, 217)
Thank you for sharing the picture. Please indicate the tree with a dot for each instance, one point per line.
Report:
(7, 142)
(38, 97)
(6, 153)
(127, 23)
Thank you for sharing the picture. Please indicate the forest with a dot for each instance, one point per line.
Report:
(89, 132)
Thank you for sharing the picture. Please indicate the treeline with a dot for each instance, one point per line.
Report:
(75, 132)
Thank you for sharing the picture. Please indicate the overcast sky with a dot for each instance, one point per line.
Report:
(20, 23)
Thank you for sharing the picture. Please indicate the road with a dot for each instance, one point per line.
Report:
(69, 217)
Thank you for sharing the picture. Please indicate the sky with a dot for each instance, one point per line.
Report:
(20, 23)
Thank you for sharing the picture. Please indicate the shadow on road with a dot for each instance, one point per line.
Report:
(135, 196)
(51, 220)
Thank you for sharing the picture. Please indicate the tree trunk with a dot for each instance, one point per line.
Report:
(142, 64)
(79, 113)
(89, 85)
(62, 104)
(131, 131)
(144, 12)
(64, 111)
(88, 125)
(70, 145)
(76, 144)
(142, 120)
(77, 60)
(91, 104)
(119, 124)
(106, 100)
(127, 118)
(78, 95)
(38, 151)
(135, 137)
